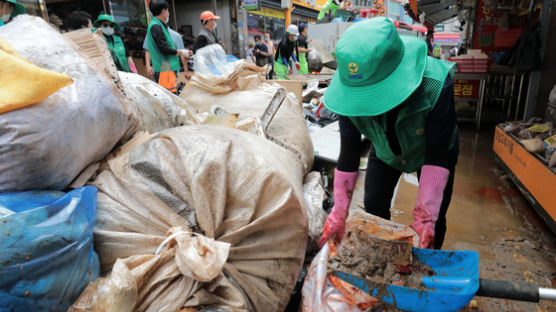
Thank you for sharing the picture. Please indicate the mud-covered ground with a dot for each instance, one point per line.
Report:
(488, 214)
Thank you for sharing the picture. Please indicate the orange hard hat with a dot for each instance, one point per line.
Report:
(208, 15)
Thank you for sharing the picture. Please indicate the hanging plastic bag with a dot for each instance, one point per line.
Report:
(47, 255)
(213, 60)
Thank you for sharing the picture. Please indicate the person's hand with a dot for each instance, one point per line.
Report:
(150, 70)
(187, 75)
(185, 52)
(289, 71)
(344, 183)
(297, 65)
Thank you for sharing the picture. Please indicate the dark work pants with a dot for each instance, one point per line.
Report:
(380, 182)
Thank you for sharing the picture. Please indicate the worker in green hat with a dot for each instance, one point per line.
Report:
(108, 27)
(387, 89)
(287, 49)
(10, 9)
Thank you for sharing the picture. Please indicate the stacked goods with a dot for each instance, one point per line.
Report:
(46, 145)
(538, 138)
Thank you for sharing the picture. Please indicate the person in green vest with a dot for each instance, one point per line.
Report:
(437, 51)
(387, 88)
(330, 6)
(287, 49)
(164, 55)
(10, 9)
(116, 45)
(303, 48)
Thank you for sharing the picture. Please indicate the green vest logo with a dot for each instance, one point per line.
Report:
(353, 69)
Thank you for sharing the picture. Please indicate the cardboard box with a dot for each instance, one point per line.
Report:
(293, 86)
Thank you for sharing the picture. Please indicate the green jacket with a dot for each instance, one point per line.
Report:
(410, 125)
(162, 62)
(117, 49)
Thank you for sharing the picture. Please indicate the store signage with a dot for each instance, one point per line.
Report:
(251, 5)
(466, 88)
(269, 12)
(285, 4)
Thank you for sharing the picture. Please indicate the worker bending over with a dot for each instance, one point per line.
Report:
(285, 52)
(389, 90)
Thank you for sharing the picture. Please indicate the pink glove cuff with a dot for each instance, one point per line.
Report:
(132, 67)
(429, 195)
(344, 184)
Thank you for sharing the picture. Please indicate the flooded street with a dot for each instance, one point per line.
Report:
(489, 215)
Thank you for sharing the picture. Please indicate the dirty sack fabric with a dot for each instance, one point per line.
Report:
(45, 146)
(225, 183)
(157, 109)
(246, 92)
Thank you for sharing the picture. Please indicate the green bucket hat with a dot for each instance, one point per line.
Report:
(105, 17)
(18, 8)
(377, 69)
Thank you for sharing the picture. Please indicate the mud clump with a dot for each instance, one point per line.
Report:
(380, 261)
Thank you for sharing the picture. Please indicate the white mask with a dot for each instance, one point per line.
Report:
(215, 24)
(167, 20)
(109, 31)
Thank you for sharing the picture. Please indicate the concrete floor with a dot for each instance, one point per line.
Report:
(488, 214)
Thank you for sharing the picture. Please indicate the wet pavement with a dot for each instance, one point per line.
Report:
(488, 214)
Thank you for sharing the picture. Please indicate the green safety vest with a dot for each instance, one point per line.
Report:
(1, 23)
(117, 49)
(162, 62)
(410, 125)
(329, 6)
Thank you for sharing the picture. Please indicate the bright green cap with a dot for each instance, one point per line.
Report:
(18, 9)
(105, 17)
(377, 69)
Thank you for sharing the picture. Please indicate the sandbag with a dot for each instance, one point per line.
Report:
(224, 183)
(47, 255)
(246, 92)
(156, 108)
(46, 145)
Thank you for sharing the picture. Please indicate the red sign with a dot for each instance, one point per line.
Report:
(466, 88)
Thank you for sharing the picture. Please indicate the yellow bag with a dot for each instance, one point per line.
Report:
(23, 84)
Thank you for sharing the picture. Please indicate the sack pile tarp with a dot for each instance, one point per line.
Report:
(45, 146)
(229, 185)
(246, 92)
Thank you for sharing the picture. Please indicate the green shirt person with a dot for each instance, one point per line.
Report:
(10, 9)
(117, 49)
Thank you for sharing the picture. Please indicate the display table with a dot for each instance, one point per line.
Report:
(530, 173)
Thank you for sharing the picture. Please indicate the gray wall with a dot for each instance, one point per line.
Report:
(189, 12)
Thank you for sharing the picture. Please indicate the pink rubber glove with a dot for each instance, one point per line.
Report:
(429, 198)
(132, 67)
(344, 183)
